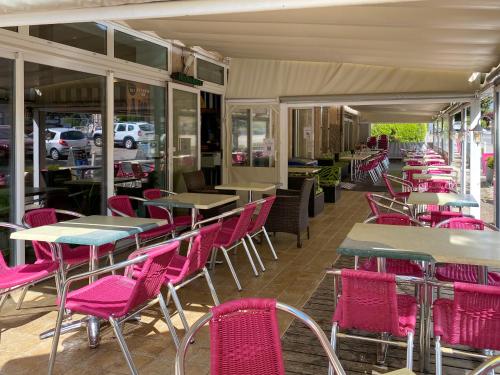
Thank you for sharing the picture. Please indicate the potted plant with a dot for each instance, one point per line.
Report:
(490, 162)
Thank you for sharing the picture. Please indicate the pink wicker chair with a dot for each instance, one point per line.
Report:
(121, 205)
(232, 235)
(472, 318)
(119, 298)
(183, 221)
(245, 338)
(397, 266)
(257, 226)
(465, 273)
(406, 186)
(369, 302)
(182, 270)
(22, 276)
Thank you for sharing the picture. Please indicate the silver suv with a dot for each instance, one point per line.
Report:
(127, 134)
(58, 142)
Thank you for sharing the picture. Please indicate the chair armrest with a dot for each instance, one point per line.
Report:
(218, 217)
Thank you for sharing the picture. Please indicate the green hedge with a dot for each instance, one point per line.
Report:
(401, 132)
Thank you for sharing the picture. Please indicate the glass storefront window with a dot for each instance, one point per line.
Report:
(89, 36)
(185, 135)
(63, 114)
(207, 71)
(303, 133)
(139, 136)
(131, 48)
(6, 149)
(252, 135)
(240, 137)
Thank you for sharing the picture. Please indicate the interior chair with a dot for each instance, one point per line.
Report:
(369, 302)
(289, 212)
(24, 275)
(245, 338)
(118, 298)
(121, 205)
(471, 318)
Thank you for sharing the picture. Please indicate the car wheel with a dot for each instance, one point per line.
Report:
(128, 143)
(98, 141)
(54, 154)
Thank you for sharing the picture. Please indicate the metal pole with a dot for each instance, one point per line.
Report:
(496, 151)
(463, 166)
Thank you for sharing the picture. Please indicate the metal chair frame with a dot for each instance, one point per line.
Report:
(303, 317)
(388, 203)
(225, 251)
(384, 340)
(115, 323)
(406, 185)
(486, 225)
(138, 242)
(4, 293)
(485, 368)
(57, 250)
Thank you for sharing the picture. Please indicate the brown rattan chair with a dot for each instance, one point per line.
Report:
(289, 213)
(195, 183)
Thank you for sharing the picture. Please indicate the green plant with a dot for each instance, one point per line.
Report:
(490, 162)
(53, 167)
(410, 132)
(329, 176)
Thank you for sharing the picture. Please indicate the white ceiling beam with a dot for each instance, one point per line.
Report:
(168, 9)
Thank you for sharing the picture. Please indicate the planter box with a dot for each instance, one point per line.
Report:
(332, 193)
(318, 204)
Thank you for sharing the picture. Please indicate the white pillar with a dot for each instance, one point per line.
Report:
(463, 156)
(108, 131)
(475, 157)
(496, 151)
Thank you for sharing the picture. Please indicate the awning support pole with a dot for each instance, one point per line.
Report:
(496, 150)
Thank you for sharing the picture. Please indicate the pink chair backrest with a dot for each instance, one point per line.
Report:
(394, 219)
(121, 203)
(388, 184)
(243, 223)
(467, 223)
(201, 249)
(439, 171)
(245, 338)
(369, 302)
(414, 163)
(38, 218)
(476, 316)
(153, 211)
(261, 219)
(438, 186)
(435, 163)
(151, 276)
(371, 203)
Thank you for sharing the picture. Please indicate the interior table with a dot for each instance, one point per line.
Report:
(193, 201)
(250, 187)
(92, 231)
(429, 245)
(443, 199)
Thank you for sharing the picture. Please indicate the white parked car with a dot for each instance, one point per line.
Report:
(58, 142)
(127, 134)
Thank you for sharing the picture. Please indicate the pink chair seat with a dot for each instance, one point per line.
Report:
(106, 297)
(463, 273)
(81, 254)
(443, 318)
(163, 230)
(402, 194)
(26, 273)
(185, 220)
(174, 269)
(397, 266)
(407, 314)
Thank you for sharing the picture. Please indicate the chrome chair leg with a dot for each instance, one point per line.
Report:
(21, 297)
(333, 342)
(55, 340)
(409, 351)
(439, 364)
(270, 243)
(3, 299)
(249, 256)
(259, 260)
(231, 268)
(111, 260)
(171, 328)
(211, 286)
(123, 345)
(178, 306)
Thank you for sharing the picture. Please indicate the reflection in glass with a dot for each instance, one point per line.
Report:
(89, 36)
(134, 49)
(240, 137)
(261, 131)
(185, 136)
(140, 134)
(207, 71)
(63, 114)
(303, 133)
(6, 149)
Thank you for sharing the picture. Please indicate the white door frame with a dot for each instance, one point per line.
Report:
(170, 152)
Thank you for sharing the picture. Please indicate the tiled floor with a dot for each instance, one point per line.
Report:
(292, 279)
